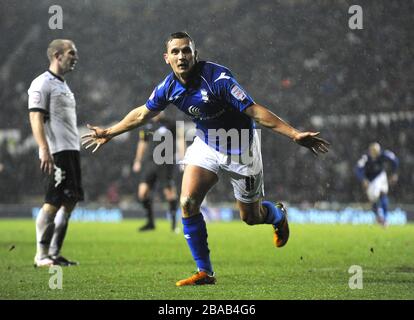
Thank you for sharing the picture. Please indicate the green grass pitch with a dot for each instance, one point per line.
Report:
(116, 262)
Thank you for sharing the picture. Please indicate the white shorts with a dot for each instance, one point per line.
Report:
(377, 186)
(246, 178)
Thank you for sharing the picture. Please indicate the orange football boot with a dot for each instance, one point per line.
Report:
(199, 278)
(281, 230)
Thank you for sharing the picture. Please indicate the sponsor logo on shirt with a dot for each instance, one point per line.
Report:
(195, 111)
(35, 97)
(69, 95)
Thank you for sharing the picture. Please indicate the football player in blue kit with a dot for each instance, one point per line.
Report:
(370, 171)
(211, 96)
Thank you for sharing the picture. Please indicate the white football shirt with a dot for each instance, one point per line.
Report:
(52, 96)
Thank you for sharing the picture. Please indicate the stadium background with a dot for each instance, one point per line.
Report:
(298, 58)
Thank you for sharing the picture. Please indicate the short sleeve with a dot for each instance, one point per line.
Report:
(362, 161)
(232, 92)
(158, 100)
(39, 96)
(393, 158)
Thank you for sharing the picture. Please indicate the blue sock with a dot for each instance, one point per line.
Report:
(195, 232)
(274, 214)
(384, 205)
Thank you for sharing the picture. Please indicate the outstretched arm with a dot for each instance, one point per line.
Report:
(269, 120)
(132, 120)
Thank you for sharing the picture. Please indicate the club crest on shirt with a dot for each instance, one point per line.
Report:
(204, 95)
(237, 92)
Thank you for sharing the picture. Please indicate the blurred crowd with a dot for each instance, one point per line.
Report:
(298, 58)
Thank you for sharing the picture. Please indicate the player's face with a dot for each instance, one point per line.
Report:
(69, 57)
(374, 150)
(181, 56)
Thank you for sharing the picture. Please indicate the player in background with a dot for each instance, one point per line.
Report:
(53, 119)
(211, 96)
(151, 173)
(370, 171)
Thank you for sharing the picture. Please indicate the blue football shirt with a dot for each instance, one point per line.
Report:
(370, 168)
(214, 100)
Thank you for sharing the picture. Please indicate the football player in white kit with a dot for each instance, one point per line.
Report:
(211, 96)
(52, 108)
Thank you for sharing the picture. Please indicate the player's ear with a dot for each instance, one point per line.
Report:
(166, 58)
(56, 54)
(196, 55)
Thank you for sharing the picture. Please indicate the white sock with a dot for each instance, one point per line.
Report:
(61, 225)
(44, 232)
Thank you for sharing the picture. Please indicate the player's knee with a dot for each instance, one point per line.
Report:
(143, 191)
(250, 217)
(50, 209)
(251, 221)
(189, 205)
(69, 206)
(248, 221)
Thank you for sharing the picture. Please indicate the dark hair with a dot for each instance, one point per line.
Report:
(178, 35)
